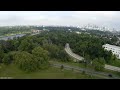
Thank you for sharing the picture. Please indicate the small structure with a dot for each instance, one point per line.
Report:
(36, 31)
(78, 32)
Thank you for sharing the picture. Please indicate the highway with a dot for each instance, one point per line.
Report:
(79, 58)
(69, 51)
(87, 71)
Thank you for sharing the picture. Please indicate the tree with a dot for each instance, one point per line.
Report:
(1, 54)
(27, 45)
(62, 67)
(102, 61)
(41, 56)
(83, 72)
(7, 59)
(52, 49)
(98, 64)
(40, 52)
(87, 59)
(63, 56)
(16, 44)
(25, 61)
(24, 46)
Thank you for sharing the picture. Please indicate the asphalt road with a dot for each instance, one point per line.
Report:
(87, 71)
(69, 51)
(79, 58)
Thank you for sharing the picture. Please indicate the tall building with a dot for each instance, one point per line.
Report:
(115, 49)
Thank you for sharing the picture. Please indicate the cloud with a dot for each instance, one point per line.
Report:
(109, 18)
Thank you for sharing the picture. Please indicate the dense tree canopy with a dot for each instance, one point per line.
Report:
(7, 59)
(1, 54)
(40, 52)
(99, 64)
(41, 56)
(34, 52)
(25, 61)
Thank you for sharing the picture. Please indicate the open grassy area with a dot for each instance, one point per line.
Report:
(116, 63)
(88, 67)
(112, 72)
(82, 65)
(10, 34)
(51, 73)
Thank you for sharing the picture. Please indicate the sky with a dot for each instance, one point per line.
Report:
(109, 19)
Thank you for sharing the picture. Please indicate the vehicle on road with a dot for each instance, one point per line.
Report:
(110, 75)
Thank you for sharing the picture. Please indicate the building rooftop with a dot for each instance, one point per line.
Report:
(117, 47)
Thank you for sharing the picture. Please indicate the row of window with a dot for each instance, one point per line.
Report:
(113, 50)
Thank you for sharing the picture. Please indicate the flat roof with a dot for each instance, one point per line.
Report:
(117, 47)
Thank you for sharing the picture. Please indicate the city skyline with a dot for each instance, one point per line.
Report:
(109, 19)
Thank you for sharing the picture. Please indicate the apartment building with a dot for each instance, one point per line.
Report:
(115, 49)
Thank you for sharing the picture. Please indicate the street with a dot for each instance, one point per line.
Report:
(87, 71)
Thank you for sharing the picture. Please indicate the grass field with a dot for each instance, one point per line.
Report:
(82, 65)
(51, 73)
(88, 67)
(116, 63)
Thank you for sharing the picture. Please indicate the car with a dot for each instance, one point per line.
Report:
(110, 75)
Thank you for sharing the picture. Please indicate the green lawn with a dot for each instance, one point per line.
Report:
(51, 73)
(112, 72)
(10, 34)
(116, 63)
(88, 67)
(82, 65)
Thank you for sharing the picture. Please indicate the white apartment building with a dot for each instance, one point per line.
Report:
(115, 49)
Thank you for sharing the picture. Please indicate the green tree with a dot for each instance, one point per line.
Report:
(7, 59)
(40, 52)
(41, 56)
(62, 67)
(87, 59)
(52, 49)
(1, 54)
(98, 64)
(16, 44)
(27, 45)
(25, 61)
(102, 61)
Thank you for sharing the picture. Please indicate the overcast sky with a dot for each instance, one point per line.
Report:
(110, 19)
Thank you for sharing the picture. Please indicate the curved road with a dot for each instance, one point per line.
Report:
(79, 58)
(69, 51)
